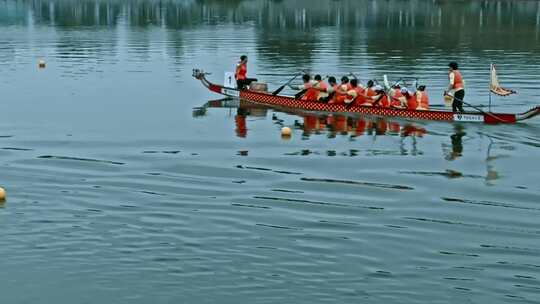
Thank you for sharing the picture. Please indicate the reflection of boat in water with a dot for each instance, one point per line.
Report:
(332, 124)
(287, 102)
(358, 126)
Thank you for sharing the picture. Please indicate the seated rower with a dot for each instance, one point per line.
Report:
(321, 86)
(416, 100)
(410, 99)
(326, 95)
(341, 92)
(397, 99)
(345, 81)
(310, 93)
(360, 99)
(380, 99)
(370, 91)
(422, 99)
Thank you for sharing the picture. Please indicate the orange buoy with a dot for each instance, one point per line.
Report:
(2, 194)
(286, 132)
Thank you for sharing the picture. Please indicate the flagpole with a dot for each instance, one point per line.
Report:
(490, 83)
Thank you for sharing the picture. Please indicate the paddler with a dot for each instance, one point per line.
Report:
(360, 99)
(456, 86)
(341, 92)
(352, 94)
(309, 86)
(408, 100)
(380, 99)
(330, 91)
(322, 87)
(241, 74)
(422, 99)
(370, 91)
(397, 99)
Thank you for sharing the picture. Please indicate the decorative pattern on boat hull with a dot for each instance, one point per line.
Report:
(290, 102)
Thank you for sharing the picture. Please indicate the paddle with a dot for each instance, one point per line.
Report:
(286, 84)
(300, 94)
(465, 103)
(476, 108)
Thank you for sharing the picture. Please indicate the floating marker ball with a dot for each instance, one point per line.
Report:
(41, 64)
(286, 131)
(2, 194)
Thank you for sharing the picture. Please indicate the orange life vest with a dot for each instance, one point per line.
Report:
(458, 81)
(422, 100)
(323, 88)
(395, 99)
(361, 96)
(412, 103)
(333, 94)
(383, 101)
(241, 71)
(340, 96)
(311, 94)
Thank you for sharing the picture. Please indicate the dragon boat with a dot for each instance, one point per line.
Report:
(289, 102)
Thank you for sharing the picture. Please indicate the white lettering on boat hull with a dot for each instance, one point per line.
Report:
(230, 92)
(468, 117)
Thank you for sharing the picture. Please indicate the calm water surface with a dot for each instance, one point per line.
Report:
(128, 182)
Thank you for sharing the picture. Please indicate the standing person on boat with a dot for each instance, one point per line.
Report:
(241, 74)
(455, 86)
(311, 92)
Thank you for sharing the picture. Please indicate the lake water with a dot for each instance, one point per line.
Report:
(129, 182)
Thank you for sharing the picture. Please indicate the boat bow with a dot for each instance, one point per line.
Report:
(529, 114)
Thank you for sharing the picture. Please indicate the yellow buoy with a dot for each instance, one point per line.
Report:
(41, 64)
(2, 194)
(286, 131)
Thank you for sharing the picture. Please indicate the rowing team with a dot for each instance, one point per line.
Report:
(352, 93)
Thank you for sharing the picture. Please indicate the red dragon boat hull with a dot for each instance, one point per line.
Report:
(289, 102)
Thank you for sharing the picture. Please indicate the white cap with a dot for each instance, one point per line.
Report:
(378, 88)
(404, 90)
